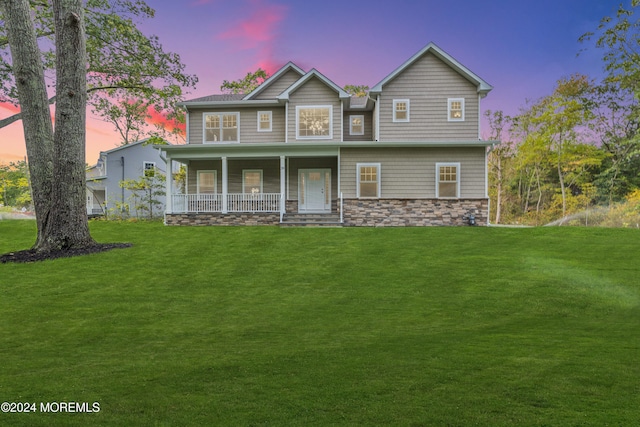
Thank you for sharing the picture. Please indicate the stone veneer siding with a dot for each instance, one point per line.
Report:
(234, 218)
(360, 212)
(413, 212)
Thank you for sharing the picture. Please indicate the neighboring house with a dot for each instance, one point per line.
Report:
(127, 162)
(408, 154)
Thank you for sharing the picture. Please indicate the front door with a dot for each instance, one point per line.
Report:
(314, 190)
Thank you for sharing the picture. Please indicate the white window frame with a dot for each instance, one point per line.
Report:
(357, 116)
(145, 169)
(270, 114)
(395, 110)
(244, 171)
(215, 180)
(307, 107)
(438, 166)
(379, 174)
(221, 115)
(450, 101)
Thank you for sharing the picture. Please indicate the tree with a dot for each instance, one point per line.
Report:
(56, 159)
(247, 84)
(619, 36)
(122, 63)
(499, 157)
(14, 184)
(357, 90)
(146, 192)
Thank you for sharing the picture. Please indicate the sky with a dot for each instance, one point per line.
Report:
(522, 48)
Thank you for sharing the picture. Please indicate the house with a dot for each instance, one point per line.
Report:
(127, 162)
(299, 146)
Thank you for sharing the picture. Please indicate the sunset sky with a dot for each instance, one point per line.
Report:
(521, 48)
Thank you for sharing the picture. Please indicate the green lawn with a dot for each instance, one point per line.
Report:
(356, 326)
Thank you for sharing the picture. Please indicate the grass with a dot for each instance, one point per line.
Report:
(270, 326)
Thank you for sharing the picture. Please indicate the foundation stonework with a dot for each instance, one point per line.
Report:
(243, 218)
(413, 212)
(361, 213)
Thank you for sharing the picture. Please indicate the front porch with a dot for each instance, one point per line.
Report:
(254, 187)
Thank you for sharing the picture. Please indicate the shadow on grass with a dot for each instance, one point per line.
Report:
(31, 255)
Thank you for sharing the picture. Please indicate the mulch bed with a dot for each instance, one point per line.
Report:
(30, 255)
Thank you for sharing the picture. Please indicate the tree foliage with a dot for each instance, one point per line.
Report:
(357, 90)
(124, 66)
(14, 185)
(247, 84)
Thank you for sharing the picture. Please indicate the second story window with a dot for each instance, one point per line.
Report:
(314, 122)
(400, 110)
(221, 127)
(356, 126)
(456, 109)
(264, 121)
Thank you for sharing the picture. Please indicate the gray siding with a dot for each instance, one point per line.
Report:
(315, 92)
(279, 86)
(428, 83)
(368, 126)
(410, 172)
(248, 124)
(134, 158)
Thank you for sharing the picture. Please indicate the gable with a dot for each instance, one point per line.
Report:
(278, 86)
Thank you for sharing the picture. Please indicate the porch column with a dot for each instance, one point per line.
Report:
(225, 190)
(283, 187)
(169, 185)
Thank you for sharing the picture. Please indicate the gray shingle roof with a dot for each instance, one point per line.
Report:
(218, 98)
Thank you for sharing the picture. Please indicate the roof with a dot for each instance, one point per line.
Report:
(313, 73)
(218, 98)
(483, 86)
(289, 66)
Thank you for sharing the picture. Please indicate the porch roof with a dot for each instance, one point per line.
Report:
(298, 149)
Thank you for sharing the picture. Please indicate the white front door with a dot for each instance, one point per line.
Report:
(314, 190)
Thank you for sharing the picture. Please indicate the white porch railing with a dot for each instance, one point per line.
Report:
(250, 202)
(236, 202)
(197, 203)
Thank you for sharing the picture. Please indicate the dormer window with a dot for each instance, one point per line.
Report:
(400, 110)
(456, 109)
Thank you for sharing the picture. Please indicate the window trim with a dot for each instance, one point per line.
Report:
(356, 116)
(438, 166)
(220, 114)
(302, 107)
(379, 180)
(244, 171)
(215, 180)
(395, 110)
(270, 114)
(449, 110)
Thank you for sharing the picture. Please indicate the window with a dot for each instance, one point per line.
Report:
(400, 110)
(207, 182)
(356, 125)
(221, 127)
(149, 169)
(456, 109)
(264, 121)
(447, 180)
(314, 122)
(368, 180)
(252, 181)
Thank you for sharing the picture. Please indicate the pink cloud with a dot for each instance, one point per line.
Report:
(9, 107)
(157, 118)
(258, 31)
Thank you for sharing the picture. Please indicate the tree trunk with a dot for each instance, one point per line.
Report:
(56, 163)
(69, 224)
(34, 105)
